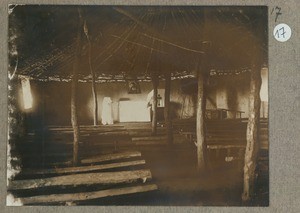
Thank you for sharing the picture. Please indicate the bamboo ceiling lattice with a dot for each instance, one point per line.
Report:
(133, 42)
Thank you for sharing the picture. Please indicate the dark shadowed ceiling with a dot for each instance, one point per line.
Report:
(134, 41)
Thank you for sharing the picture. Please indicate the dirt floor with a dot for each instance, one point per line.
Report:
(179, 184)
(173, 170)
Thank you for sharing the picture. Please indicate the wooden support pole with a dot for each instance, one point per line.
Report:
(154, 104)
(202, 72)
(74, 115)
(93, 74)
(252, 146)
(94, 91)
(168, 121)
(201, 144)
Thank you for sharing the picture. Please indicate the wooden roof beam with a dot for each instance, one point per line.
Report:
(157, 35)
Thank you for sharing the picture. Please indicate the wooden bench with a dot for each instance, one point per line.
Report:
(120, 176)
(221, 113)
(223, 143)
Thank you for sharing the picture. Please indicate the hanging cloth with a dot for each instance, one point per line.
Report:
(107, 117)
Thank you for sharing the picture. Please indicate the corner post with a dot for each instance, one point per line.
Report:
(252, 147)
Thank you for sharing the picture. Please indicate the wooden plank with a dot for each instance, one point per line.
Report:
(229, 131)
(88, 150)
(58, 198)
(187, 133)
(116, 133)
(107, 143)
(114, 156)
(226, 139)
(91, 131)
(157, 142)
(103, 158)
(227, 134)
(148, 130)
(81, 179)
(85, 126)
(143, 128)
(243, 142)
(150, 138)
(226, 126)
(82, 168)
(140, 134)
(225, 146)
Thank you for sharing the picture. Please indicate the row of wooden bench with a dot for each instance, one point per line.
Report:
(104, 173)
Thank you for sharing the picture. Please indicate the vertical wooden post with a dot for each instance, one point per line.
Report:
(94, 91)
(252, 146)
(202, 73)
(201, 105)
(168, 121)
(74, 115)
(154, 104)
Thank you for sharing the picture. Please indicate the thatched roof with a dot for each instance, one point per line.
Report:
(135, 41)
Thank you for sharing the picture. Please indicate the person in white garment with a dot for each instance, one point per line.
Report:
(107, 117)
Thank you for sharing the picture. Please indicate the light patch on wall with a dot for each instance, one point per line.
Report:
(134, 111)
(27, 96)
(222, 98)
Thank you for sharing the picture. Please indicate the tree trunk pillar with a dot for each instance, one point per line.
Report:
(252, 146)
(74, 114)
(94, 91)
(200, 115)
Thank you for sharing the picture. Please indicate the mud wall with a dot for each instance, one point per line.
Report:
(51, 100)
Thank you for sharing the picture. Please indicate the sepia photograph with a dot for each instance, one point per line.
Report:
(137, 105)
